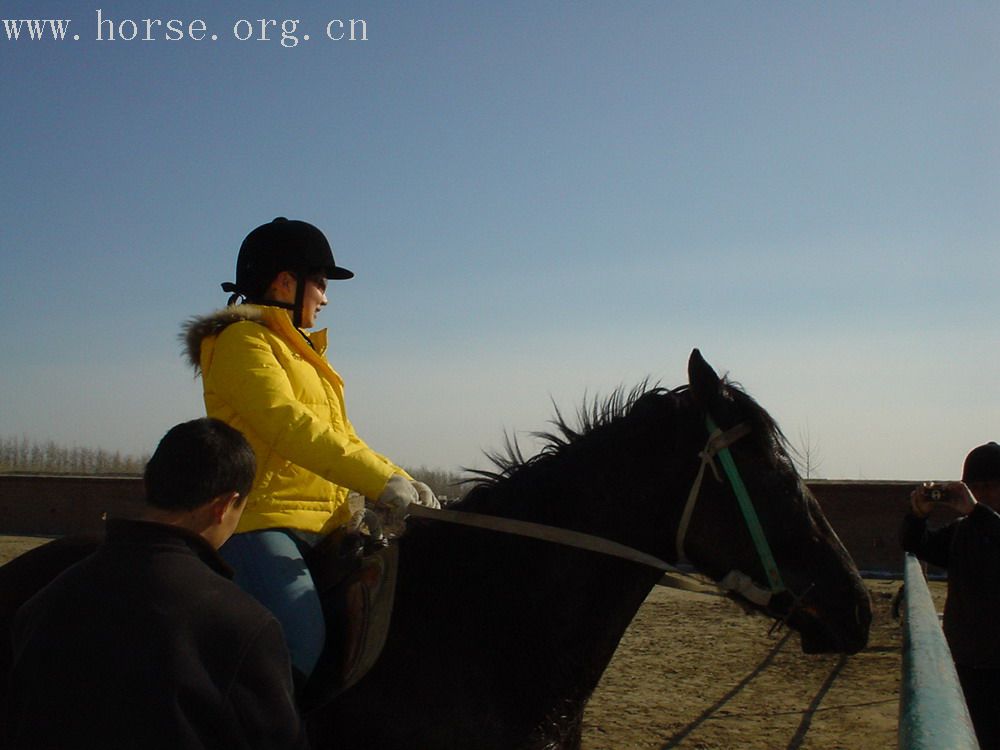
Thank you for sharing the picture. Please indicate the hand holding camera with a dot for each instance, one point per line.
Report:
(954, 495)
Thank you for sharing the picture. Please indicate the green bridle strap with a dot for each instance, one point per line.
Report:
(749, 514)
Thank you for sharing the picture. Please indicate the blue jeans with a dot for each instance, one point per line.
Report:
(269, 565)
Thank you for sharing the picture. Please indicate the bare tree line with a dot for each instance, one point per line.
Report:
(26, 455)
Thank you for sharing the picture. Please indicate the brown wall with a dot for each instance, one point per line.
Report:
(866, 515)
(58, 505)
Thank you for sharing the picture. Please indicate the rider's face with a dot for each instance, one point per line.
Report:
(283, 289)
(313, 299)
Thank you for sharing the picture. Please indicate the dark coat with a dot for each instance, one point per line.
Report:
(969, 548)
(148, 644)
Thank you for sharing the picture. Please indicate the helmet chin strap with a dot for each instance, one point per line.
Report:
(300, 291)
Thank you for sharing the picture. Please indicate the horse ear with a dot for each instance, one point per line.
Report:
(705, 384)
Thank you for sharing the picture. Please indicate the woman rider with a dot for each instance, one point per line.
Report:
(266, 376)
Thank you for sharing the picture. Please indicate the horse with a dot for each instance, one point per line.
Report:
(497, 640)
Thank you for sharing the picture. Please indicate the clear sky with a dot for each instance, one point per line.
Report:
(540, 201)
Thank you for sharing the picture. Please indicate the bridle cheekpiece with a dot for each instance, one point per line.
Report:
(717, 446)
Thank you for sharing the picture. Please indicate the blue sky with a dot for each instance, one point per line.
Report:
(540, 201)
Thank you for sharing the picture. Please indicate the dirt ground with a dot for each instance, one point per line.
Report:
(12, 546)
(694, 672)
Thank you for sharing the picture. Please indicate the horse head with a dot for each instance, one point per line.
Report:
(750, 523)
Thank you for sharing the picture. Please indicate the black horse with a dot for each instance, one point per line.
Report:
(497, 641)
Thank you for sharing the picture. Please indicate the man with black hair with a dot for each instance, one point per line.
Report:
(148, 643)
(969, 548)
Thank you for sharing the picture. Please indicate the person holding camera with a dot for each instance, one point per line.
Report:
(969, 549)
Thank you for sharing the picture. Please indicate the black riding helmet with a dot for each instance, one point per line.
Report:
(282, 245)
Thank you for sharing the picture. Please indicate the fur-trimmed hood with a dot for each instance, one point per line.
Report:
(196, 329)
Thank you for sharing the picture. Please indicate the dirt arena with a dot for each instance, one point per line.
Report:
(694, 672)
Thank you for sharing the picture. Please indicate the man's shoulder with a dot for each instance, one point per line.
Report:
(982, 522)
(198, 574)
(212, 591)
(165, 584)
(157, 565)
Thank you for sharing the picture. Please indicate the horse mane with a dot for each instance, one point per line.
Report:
(593, 415)
(597, 415)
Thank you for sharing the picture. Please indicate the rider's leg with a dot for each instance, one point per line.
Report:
(269, 565)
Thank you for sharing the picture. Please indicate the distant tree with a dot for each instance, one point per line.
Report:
(37, 457)
(7, 454)
(807, 454)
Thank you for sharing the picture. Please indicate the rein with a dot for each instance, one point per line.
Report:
(566, 537)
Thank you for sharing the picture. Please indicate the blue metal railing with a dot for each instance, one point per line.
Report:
(932, 711)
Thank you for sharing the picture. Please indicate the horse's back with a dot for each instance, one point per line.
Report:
(26, 574)
(23, 577)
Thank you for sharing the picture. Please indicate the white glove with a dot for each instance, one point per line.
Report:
(399, 492)
(425, 495)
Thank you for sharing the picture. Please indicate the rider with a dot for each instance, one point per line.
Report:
(265, 375)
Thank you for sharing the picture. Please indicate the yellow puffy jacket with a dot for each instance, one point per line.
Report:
(261, 376)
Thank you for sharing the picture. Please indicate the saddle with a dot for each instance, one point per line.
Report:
(355, 577)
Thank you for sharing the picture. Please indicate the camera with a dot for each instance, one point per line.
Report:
(936, 493)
